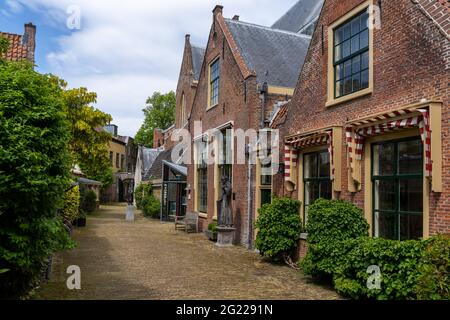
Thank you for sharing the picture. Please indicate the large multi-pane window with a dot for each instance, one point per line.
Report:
(214, 79)
(316, 178)
(351, 55)
(202, 176)
(225, 156)
(397, 177)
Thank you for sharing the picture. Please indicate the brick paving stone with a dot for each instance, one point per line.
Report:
(148, 260)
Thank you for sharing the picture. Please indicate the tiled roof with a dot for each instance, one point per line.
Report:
(198, 54)
(280, 116)
(17, 51)
(276, 56)
(156, 170)
(303, 13)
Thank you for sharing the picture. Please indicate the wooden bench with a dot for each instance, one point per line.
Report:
(187, 222)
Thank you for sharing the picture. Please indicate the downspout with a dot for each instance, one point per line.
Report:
(249, 199)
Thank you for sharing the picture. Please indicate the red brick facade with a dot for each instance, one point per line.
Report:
(239, 102)
(411, 63)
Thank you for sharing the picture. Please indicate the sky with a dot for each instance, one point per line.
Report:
(123, 50)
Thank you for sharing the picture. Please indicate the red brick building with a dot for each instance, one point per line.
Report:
(369, 121)
(247, 72)
(21, 47)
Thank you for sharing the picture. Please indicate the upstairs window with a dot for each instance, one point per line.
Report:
(351, 55)
(214, 79)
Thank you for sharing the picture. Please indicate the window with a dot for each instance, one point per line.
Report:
(265, 181)
(117, 160)
(351, 56)
(202, 176)
(397, 177)
(225, 157)
(214, 78)
(316, 178)
(122, 162)
(111, 157)
(183, 110)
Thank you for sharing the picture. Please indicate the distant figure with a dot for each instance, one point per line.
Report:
(130, 207)
(226, 215)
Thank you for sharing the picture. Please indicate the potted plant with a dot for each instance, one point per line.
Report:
(211, 233)
(81, 221)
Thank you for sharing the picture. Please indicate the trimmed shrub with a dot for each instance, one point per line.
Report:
(434, 279)
(34, 174)
(279, 228)
(142, 190)
(88, 202)
(151, 207)
(212, 227)
(71, 204)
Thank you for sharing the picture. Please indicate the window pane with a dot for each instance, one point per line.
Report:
(411, 227)
(410, 157)
(338, 53)
(356, 82)
(339, 87)
(324, 164)
(355, 44)
(346, 31)
(325, 190)
(338, 34)
(266, 196)
(385, 195)
(348, 85)
(311, 192)
(386, 225)
(339, 71)
(365, 79)
(356, 64)
(355, 26)
(365, 60)
(310, 166)
(411, 192)
(346, 49)
(364, 39)
(364, 21)
(384, 159)
(347, 68)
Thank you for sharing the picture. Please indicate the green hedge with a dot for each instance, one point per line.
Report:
(34, 174)
(339, 249)
(71, 208)
(279, 227)
(142, 190)
(88, 201)
(151, 207)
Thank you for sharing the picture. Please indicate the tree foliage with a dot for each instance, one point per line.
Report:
(34, 174)
(89, 142)
(71, 207)
(159, 114)
(4, 45)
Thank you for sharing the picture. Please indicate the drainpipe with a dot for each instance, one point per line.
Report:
(249, 200)
(263, 93)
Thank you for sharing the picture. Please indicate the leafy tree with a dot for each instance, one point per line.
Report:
(4, 44)
(89, 142)
(159, 114)
(34, 174)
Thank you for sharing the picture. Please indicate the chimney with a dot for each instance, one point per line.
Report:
(236, 18)
(158, 138)
(29, 40)
(218, 9)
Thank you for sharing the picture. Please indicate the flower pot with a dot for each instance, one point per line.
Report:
(212, 236)
(81, 222)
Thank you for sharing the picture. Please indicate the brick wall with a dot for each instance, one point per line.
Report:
(411, 62)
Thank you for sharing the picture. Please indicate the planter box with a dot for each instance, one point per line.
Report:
(211, 235)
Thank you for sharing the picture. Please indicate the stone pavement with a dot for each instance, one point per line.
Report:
(149, 260)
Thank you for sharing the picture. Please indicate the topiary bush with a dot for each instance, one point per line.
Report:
(433, 282)
(212, 227)
(34, 174)
(88, 202)
(71, 208)
(279, 228)
(151, 207)
(142, 190)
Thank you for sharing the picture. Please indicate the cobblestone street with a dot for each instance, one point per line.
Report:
(149, 260)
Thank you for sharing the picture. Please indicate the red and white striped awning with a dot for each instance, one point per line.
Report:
(358, 135)
(293, 146)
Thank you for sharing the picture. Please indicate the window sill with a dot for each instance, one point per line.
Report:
(203, 215)
(211, 107)
(333, 102)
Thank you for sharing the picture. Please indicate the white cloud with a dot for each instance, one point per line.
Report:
(126, 50)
